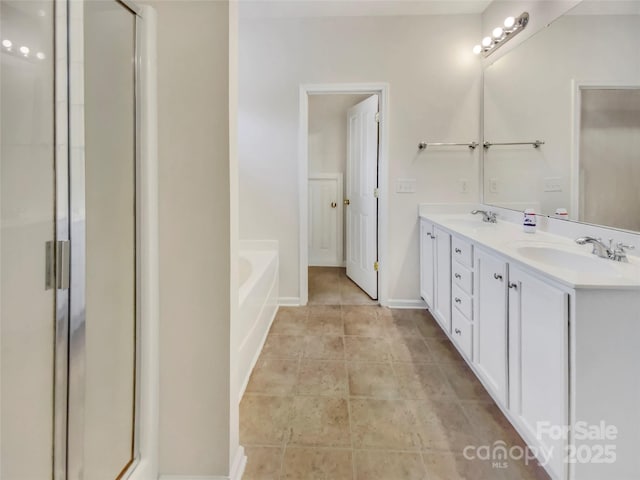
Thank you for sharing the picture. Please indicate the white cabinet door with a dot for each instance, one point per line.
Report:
(427, 263)
(442, 307)
(538, 361)
(490, 318)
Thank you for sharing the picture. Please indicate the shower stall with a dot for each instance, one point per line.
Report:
(72, 181)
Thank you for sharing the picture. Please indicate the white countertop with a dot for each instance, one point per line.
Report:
(554, 256)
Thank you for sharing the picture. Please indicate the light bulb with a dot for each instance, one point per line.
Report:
(41, 56)
(24, 50)
(7, 43)
(486, 41)
(477, 49)
(497, 32)
(509, 22)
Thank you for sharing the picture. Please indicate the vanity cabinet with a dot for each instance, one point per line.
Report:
(435, 272)
(538, 361)
(490, 351)
(556, 349)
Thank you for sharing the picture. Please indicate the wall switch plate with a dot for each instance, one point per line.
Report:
(464, 185)
(406, 185)
(553, 184)
(493, 185)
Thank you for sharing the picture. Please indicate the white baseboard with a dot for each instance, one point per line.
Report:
(405, 303)
(289, 301)
(239, 464)
(237, 470)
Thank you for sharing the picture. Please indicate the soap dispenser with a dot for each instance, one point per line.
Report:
(529, 222)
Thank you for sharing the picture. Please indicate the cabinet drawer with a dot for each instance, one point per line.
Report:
(462, 333)
(462, 301)
(462, 277)
(462, 251)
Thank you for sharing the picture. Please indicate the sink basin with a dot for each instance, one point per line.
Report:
(559, 257)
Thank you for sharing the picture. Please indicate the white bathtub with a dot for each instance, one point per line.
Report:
(258, 302)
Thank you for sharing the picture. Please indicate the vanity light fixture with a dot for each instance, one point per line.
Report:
(500, 35)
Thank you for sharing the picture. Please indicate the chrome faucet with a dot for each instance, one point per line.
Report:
(600, 249)
(489, 217)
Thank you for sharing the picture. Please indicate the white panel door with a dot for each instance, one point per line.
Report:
(325, 221)
(362, 208)
(538, 361)
(490, 317)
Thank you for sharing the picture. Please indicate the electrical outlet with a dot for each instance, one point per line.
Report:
(553, 184)
(405, 185)
(493, 185)
(464, 185)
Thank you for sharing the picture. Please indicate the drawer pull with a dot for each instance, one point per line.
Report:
(457, 330)
(458, 300)
(513, 285)
(458, 250)
(458, 276)
(497, 276)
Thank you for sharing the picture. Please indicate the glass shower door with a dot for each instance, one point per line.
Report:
(104, 307)
(27, 211)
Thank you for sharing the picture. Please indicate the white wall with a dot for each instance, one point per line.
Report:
(328, 132)
(434, 95)
(198, 420)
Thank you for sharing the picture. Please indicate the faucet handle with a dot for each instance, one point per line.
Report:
(623, 246)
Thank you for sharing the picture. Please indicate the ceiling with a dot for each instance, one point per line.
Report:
(357, 8)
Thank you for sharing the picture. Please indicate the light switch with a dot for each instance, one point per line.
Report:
(464, 185)
(553, 184)
(493, 185)
(405, 185)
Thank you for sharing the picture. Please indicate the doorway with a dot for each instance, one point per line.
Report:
(343, 173)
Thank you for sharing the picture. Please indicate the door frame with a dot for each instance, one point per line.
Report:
(577, 86)
(382, 90)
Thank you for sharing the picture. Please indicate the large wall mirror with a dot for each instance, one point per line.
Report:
(575, 86)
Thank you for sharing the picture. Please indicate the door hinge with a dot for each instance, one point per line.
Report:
(378, 117)
(375, 266)
(375, 192)
(57, 264)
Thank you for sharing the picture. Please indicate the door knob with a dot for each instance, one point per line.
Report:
(347, 201)
(334, 204)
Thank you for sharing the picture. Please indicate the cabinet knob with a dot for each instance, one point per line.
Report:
(457, 330)
(458, 300)
(458, 250)
(347, 201)
(497, 276)
(458, 276)
(513, 285)
(334, 204)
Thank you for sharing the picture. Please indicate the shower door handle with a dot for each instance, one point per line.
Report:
(57, 255)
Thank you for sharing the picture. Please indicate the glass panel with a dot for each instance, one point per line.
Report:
(110, 163)
(27, 223)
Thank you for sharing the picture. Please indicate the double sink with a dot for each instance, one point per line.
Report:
(553, 254)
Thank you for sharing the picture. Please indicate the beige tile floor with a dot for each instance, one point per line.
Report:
(363, 392)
